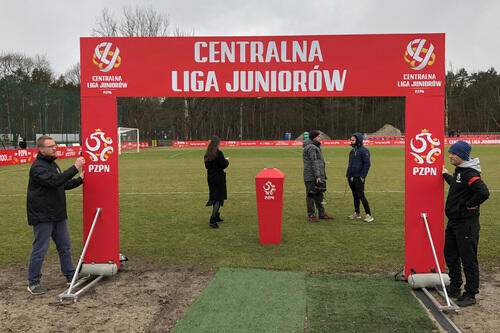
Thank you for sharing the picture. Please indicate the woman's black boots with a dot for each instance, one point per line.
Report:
(213, 222)
(217, 218)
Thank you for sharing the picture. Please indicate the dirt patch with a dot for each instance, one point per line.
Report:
(482, 317)
(142, 297)
(152, 297)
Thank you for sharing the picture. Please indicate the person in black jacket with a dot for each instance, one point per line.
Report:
(216, 178)
(357, 170)
(46, 209)
(467, 192)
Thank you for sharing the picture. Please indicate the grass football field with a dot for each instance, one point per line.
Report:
(163, 192)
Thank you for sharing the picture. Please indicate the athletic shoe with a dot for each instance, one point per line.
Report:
(36, 289)
(313, 219)
(466, 300)
(325, 217)
(354, 216)
(368, 218)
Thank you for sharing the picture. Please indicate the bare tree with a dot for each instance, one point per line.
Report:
(72, 75)
(135, 22)
(106, 25)
(14, 64)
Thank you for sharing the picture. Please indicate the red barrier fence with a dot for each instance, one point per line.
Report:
(370, 141)
(23, 156)
(133, 145)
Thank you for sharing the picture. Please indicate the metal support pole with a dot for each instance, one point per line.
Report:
(424, 216)
(89, 236)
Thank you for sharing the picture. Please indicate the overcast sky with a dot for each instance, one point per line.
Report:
(52, 27)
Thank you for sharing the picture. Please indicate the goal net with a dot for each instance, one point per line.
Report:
(128, 139)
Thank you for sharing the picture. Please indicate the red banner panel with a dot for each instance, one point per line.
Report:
(278, 66)
(424, 157)
(100, 186)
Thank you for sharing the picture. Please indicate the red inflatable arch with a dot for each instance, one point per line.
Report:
(409, 65)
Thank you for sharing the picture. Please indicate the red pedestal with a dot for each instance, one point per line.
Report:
(269, 188)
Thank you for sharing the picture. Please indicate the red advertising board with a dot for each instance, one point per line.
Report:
(371, 141)
(410, 65)
(23, 156)
(133, 145)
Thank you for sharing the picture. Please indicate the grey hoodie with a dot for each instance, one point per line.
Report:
(473, 163)
(314, 164)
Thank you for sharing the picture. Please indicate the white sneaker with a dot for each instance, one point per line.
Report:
(368, 218)
(354, 216)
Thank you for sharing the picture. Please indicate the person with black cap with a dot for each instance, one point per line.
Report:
(467, 192)
(314, 176)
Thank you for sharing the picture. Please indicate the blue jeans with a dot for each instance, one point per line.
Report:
(42, 233)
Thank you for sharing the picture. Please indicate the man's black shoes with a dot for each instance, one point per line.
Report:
(466, 299)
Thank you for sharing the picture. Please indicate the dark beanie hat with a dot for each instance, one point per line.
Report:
(313, 134)
(461, 149)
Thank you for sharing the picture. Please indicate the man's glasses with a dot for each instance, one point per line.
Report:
(51, 146)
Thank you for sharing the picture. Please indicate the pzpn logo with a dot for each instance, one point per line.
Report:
(419, 54)
(425, 148)
(99, 146)
(269, 188)
(105, 58)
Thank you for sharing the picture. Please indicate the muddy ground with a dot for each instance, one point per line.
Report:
(151, 297)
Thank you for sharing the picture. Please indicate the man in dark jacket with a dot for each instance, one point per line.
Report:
(467, 192)
(46, 208)
(314, 176)
(357, 170)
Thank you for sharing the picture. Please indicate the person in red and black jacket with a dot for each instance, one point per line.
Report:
(467, 192)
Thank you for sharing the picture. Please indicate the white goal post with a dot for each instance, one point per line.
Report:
(128, 136)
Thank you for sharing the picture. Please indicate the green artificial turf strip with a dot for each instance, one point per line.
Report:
(248, 300)
(363, 303)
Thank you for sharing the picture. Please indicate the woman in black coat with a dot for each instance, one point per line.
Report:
(216, 178)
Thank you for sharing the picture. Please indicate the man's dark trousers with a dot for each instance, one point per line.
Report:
(314, 199)
(58, 231)
(460, 246)
(358, 193)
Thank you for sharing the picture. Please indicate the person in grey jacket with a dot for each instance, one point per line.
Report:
(314, 176)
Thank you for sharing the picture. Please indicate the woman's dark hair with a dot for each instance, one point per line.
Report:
(211, 152)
